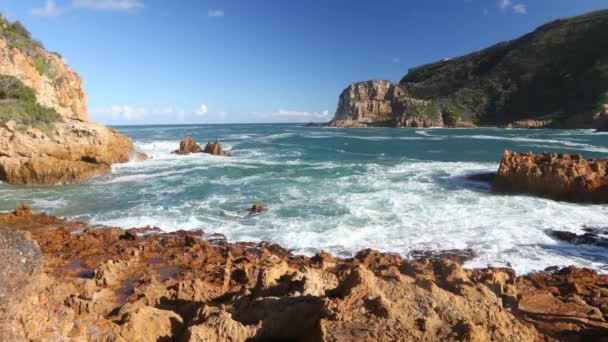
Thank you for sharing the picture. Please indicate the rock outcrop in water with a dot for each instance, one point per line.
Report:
(111, 284)
(558, 176)
(552, 77)
(188, 145)
(46, 135)
(215, 148)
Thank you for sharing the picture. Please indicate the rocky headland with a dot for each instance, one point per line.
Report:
(69, 281)
(46, 134)
(553, 77)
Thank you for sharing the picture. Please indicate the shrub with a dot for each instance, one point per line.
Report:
(40, 65)
(18, 102)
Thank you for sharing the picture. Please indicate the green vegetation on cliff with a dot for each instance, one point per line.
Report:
(17, 36)
(18, 103)
(559, 72)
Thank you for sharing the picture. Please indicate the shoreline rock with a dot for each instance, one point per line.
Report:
(75, 151)
(96, 284)
(560, 177)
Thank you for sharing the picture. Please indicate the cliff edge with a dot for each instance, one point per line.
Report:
(46, 134)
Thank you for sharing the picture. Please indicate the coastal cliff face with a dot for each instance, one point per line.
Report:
(108, 284)
(382, 103)
(555, 77)
(46, 135)
(55, 84)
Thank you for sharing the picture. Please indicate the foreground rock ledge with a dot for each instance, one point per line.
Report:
(116, 285)
(561, 177)
(74, 151)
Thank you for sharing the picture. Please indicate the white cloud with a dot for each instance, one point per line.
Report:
(109, 5)
(396, 59)
(126, 113)
(153, 115)
(504, 4)
(520, 8)
(201, 110)
(50, 9)
(215, 13)
(293, 115)
(485, 11)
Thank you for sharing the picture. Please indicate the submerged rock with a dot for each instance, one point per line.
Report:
(557, 176)
(257, 209)
(580, 239)
(188, 145)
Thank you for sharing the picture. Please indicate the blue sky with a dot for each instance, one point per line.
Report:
(197, 61)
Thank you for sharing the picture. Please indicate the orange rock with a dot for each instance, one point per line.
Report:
(172, 286)
(557, 176)
(215, 148)
(188, 145)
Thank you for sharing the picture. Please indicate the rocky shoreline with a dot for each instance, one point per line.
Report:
(68, 280)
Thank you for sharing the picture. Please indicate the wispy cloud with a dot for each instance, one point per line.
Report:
(520, 8)
(167, 114)
(215, 13)
(504, 4)
(294, 115)
(202, 110)
(122, 112)
(50, 9)
(109, 5)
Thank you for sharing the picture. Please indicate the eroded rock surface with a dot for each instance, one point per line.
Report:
(111, 284)
(557, 176)
(72, 152)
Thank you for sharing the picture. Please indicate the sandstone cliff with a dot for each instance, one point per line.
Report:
(382, 103)
(555, 76)
(46, 135)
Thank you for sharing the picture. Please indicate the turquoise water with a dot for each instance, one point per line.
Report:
(340, 190)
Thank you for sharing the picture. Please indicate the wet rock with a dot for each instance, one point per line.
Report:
(580, 239)
(23, 210)
(257, 208)
(188, 145)
(557, 176)
(485, 177)
(459, 256)
(215, 148)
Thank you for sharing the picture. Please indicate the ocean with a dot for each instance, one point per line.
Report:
(340, 190)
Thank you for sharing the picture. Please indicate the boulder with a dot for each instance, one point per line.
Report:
(188, 145)
(257, 209)
(557, 176)
(215, 148)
